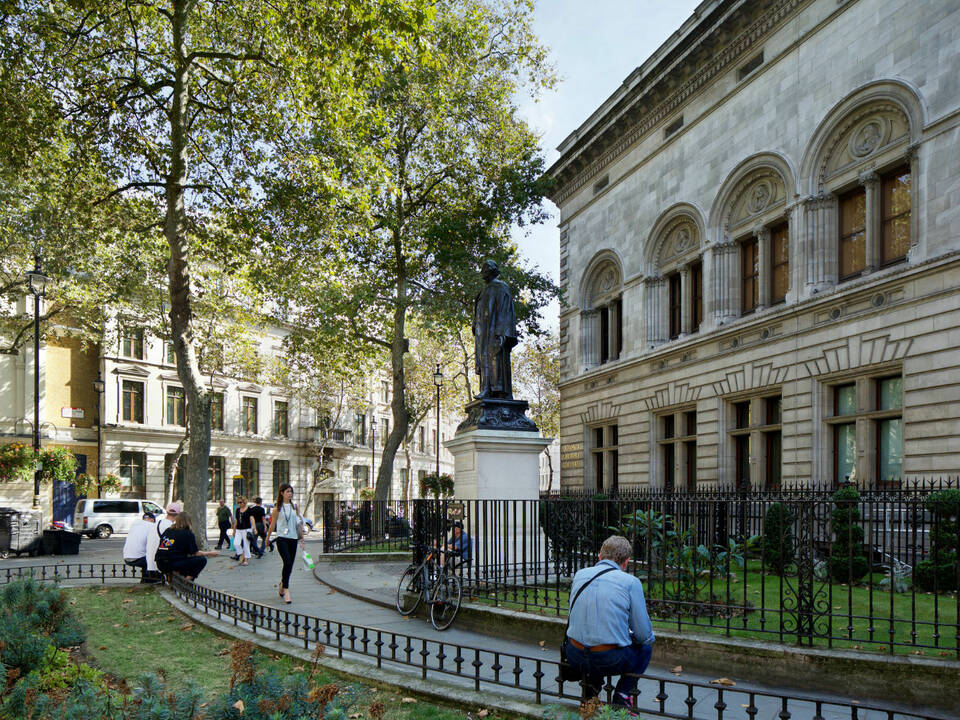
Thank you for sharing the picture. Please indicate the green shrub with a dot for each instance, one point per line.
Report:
(847, 560)
(938, 571)
(33, 616)
(778, 542)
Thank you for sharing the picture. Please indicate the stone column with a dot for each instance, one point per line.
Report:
(820, 238)
(613, 324)
(726, 290)
(916, 252)
(763, 260)
(871, 183)
(652, 287)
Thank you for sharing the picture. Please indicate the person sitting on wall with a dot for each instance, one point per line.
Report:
(178, 551)
(135, 546)
(610, 631)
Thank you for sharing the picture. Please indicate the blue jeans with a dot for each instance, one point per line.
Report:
(627, 662)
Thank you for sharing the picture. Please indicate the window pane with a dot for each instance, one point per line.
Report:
(774, 455)
(742, 414)
(216, 411)
(845, 437)
(853, 222)
(176, 406)
(890, 393)
(668, 426)
(779, 263)
(676, 307)
(773, 410)
(696, 279)
(845, 399)
(749, 273)
(895, 214)
(889, 449)
(743, 462)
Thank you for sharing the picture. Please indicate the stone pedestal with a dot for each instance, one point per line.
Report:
(497, 493)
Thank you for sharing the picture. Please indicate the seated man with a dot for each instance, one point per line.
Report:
(135, 546)
(458, 548)
(610, 631)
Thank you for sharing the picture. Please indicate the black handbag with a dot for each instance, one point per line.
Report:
(568, 673)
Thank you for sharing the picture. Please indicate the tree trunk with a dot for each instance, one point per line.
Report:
(405, 490)
(172, 470)
(178, 270)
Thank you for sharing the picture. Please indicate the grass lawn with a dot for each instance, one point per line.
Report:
(850, 609)
(131, 631)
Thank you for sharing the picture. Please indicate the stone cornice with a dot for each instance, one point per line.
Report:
(599, 148)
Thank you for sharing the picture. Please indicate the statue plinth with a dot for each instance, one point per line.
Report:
(497, 414)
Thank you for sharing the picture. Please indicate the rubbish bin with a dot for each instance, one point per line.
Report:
(70, 542)
(20, 532)
(51, 542)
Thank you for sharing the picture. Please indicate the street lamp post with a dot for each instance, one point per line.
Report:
(37, 282)
(373, 449)
(438, 381)
(98, 386)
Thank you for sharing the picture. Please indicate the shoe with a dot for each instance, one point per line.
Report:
(244, 562)
(286, 597)
(625, 702)
(236, 557)
(271, 547)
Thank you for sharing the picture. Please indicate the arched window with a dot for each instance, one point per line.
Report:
(752, 257)
(601, 313)
(674, 282)
(860, 171)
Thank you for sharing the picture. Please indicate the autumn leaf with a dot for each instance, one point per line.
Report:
(188, 626)
(408, 700)
(677, 670)
(482, 713)
(239, 706)
(727, 682)
(102, 647)
(542, 643)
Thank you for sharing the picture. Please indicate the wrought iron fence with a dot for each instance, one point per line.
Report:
(365, 526)
(523, 677)
(873, 568)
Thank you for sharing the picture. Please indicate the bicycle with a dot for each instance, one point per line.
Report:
(430, 582)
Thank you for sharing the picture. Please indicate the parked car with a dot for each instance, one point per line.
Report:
(100, 518)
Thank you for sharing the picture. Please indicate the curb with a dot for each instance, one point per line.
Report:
(904, 681)
(433, 689)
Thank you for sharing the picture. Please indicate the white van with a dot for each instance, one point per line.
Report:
(100, 518)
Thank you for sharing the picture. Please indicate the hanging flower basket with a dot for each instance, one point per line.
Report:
(16, 462)
(436, 485)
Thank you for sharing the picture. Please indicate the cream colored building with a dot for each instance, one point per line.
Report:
(262, 435)
(759, 240)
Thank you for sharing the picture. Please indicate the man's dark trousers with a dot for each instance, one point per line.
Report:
(224, 538)
(595, 666)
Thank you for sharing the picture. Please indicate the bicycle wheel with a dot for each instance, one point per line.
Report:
(446, 601)
(410, 590)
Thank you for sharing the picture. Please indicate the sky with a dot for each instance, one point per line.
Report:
(594, 45)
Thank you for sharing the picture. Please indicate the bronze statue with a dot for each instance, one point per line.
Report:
(494, 334)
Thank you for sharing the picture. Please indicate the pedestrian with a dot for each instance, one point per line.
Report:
(223, 522)
(257, 514)
(458, 549)
(609, 631)
(178, 551)
(135, 546)
(285, 520)
(173, 509)
(241, 531)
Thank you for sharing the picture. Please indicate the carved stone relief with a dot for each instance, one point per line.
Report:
(605, 280)
(680, 238)
(759, 192)
(867, 131)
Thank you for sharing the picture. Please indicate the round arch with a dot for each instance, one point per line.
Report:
(891, 97)
(678, 232)
(602, 276)
(758, 184)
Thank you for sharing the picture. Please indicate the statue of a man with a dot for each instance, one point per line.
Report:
(494, 334)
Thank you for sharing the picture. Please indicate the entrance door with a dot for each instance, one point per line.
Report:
(65, 494)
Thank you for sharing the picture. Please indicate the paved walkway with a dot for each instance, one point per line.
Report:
(376, 582)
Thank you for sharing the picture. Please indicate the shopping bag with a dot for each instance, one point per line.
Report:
(307, 560)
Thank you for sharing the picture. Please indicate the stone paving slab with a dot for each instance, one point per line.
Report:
(376, 582)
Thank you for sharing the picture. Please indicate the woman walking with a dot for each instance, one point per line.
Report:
(178, 551)
(286, 521)
(241, 531)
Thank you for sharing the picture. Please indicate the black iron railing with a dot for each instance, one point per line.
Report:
(365, 526)
(532, 679)
(879, 571)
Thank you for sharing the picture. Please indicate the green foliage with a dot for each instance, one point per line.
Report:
(847, 563)
(16, 462)
(32, 616)
(436, 485)
(600, 712)
(778, 541)
(939, 570)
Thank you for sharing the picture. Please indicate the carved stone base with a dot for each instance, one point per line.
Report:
(497, 414)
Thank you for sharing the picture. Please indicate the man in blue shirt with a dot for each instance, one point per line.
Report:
(609, 632)
(458, 548)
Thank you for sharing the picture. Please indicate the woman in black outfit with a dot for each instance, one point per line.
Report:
(178, 551)
(286, 521)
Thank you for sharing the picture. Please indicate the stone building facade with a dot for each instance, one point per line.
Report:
(760, 246)
(262, 435)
